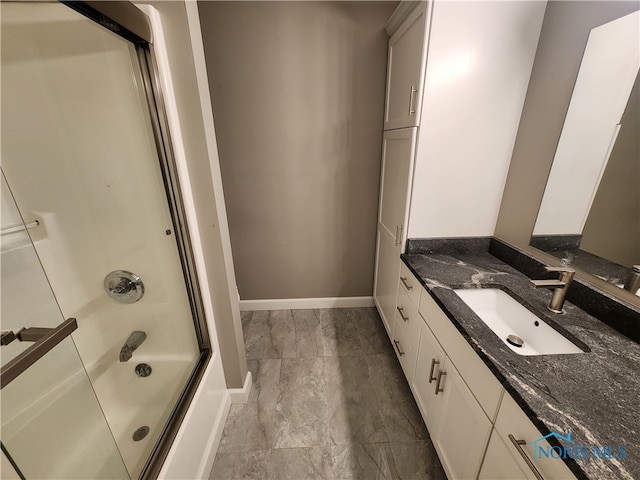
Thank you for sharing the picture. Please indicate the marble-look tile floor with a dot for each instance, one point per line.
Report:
(329, 401)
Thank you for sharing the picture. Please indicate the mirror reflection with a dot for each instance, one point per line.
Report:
(590, 212)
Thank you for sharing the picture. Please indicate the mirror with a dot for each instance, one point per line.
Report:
(590, 212)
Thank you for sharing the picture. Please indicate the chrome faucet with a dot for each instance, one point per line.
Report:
(559, 286)
(134, 341)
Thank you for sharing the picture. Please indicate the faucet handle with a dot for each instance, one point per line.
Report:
(566, 273)
(551, 268)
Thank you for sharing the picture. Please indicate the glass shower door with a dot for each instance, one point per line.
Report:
(49, 406)
(83, 159)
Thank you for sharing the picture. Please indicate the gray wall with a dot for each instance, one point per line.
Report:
(209, 203)
(563, 38)
(298, 99)
(612, 230)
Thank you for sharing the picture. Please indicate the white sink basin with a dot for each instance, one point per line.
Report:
(507, 317)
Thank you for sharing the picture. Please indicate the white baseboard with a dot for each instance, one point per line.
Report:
(305, 303)
(241, 395)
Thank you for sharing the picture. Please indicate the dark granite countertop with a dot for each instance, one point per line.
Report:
(594, 395)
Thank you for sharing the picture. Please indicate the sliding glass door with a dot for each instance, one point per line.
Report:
(99, 237)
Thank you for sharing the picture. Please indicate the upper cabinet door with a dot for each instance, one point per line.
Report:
(405, 71)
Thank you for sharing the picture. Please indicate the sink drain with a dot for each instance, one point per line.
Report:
(143, 370)
(140, 433)
(515, 340)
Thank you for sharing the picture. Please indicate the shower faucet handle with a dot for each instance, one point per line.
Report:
(124, 286)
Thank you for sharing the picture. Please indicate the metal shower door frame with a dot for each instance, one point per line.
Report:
(130, 23)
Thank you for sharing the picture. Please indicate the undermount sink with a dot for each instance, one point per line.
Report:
(520, 329)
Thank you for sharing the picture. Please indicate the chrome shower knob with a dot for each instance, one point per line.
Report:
(123, 286)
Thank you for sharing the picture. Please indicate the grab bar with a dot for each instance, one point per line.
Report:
(17, 366)
(19, 228)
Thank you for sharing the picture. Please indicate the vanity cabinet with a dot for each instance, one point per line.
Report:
(473, 423)
(458, 410)
(405, 67)
(486, 389)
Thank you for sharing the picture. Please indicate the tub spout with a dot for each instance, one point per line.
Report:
(134, 341)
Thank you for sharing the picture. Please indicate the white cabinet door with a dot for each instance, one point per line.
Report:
(485, 387)
(430, 359)
(405, 72)
(498, 463)
(385, 290)
(398, 148)
(463, 431)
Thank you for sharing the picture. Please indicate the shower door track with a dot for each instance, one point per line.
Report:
(127, 21)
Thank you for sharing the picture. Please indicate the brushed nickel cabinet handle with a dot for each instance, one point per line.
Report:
(401, 312)
(518, 444)
(406, 285)
(398, 235)
(434, 362)
(440, 375)
(412, 96)
(397, 343)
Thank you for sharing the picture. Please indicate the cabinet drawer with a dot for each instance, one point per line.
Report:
(406, 334)
(513, 421)
(410, 284)
(407, 313)
(408, 320)
(484, 385)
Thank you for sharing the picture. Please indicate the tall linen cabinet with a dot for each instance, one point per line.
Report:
(403, 102)
(457, 76)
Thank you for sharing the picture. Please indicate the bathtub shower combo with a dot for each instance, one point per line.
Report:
(103, 337)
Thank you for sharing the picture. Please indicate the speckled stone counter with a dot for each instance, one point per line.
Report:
(594, 395)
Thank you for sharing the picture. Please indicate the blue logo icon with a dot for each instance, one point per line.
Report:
(569, 449)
